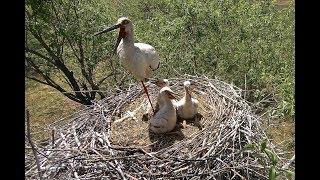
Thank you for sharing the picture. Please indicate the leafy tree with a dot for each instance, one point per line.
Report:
(248, 43)
(60, 50)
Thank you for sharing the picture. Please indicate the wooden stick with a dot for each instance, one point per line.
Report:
(232, 169)
(52, 134)
(286, 166)
(32, 145)
(228, 125)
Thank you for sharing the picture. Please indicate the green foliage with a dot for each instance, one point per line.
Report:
(269, 160)
(272, 173)
(60, 49)
(64, 23)
(230, 39)
(289, 174)
(263, 145)
(237, 40)
(248, 147)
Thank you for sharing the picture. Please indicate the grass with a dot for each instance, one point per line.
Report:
(282, 135)
(46, 105)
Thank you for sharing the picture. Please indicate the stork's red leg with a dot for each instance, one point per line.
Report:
(146, 91)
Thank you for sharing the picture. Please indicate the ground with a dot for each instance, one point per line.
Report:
(46, 105)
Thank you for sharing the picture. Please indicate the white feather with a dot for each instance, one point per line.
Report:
(165, 119)
(187, 107)
(139, 59)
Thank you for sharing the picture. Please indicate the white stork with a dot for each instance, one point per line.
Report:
(187, 107)
(139, 59)
(160, 83)
(165, 119)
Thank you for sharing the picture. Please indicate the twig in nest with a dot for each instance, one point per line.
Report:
(229, 124)
(286, 166)
(232, 169)
(34, 150)
(52, 134)
(129, 115)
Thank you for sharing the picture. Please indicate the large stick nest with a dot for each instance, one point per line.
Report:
(109, 139)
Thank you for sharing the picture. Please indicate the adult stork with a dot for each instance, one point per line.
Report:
(139, 59)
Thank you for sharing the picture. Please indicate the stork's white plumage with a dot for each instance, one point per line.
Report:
(187, 107)
(165, 119)
(160, 83)
(139, 59)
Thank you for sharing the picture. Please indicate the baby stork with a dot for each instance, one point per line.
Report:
(165, 119)
(187, 107)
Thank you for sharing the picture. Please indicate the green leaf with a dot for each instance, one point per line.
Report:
(272, 173)
(248, 147)
(289, 174)
(272, 156)
(274, 159)
(263, 145)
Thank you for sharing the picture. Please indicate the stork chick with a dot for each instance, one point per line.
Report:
(165, 119)
(187, 107)
(160, 83)
(139, 59)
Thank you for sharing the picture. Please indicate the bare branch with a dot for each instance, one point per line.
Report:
(59, 64)
(62, 48)
(44, 44)
(34, 150)
(49, 81)
(37, 80)
(84, 86)
(72, 48)
(39, 55)
(79, 97)
(53, 84)
(38, 70)
(104, 78)
(93, 144)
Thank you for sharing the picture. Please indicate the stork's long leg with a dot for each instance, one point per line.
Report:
(146, 91)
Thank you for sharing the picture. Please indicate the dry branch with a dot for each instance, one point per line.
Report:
(83, 149)
(34, 150)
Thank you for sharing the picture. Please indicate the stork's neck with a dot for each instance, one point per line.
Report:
(128, 39)
(164, 101)
(187, 94)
